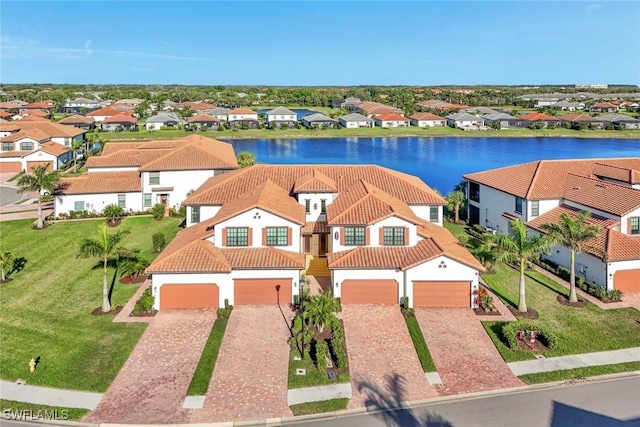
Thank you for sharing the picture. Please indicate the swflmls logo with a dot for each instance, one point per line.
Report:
(39, 415)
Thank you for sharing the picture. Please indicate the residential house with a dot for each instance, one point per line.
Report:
(319, 121)
(204, 121)
(621, 121)
(25, 149)
(355, 120)
(349, 102)
(604, 107)
(464, 120)
(243, 117)
(10, 107)
(249, 231)
(391, 120)
(5, 115)
(138, 175)
(119, 122)
(566, 106)
(280, 116)
(427, 120)
(538, 192)
(104, 113)
(582, 121)
(220, 113)
(44, 106)
(503, 121)
(481, 111)
(81, 122)
(58, 133)
(541, 120)
(437, 104)
(374, 109)
(79, 104)
(163, 120)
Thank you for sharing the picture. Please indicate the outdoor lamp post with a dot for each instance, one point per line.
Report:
(301, 298)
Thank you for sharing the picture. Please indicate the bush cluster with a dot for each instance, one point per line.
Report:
(510, 333)
(145, 303)
(158, 241)
(338, 345)
(320, 355)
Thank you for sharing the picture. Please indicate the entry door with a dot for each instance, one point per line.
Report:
(322, 251)
(314, 240)
(164, 199)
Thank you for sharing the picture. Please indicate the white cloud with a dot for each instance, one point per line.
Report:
(592, 7)
(87, 46)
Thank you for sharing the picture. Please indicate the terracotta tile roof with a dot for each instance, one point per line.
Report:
(76, 118)
(604, 196)
(108, 111)
(35, 134)
(315, 182)
(53, 148)
(219, 189)
(5, 154)
(450, 246)
(185, 237)
(385, 257)
(199, 256)
(267, 196)
(627, 175)
(544, 179)
(9, 127)
(370, 107)
(242, 111)
(554, 216)
(50, 128)
(9, 106)
(365, 204)
(120, 118)
(604, 105)
(621, 247)
(532, 117)
(391, 117)
(100, 183)
(316, 227)
(43, 105)
(268, 257)
(5, 114)
(124, 158)
(427, 116)
(202, 118)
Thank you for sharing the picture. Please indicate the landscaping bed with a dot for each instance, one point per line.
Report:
(319, 407)
(204, 371)
(418, 341)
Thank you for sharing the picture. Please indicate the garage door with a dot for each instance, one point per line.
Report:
(627, 280)
(31, 165)
(262, 291)
(10, 167)
(369, 292)
(441, 294)
(200, 295)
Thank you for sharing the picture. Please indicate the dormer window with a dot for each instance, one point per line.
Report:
(238, 236)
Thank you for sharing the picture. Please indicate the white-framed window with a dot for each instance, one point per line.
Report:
(433, 214)
(535, 208)
(146, 200)
(122, 200)
(154, 178)
(78, 205)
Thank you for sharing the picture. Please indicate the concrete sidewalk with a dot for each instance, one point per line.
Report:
(575, 361)
(49, 396)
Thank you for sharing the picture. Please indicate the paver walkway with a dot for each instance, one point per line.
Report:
(152, 384)
(383, 363)
(250, 379)
(463, 353)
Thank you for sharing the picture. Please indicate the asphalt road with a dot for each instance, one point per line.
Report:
(8, 195)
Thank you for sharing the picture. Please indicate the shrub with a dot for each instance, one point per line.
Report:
(510, 333)
(158, 211)
(178, 213)
(113, 213)
(338, 344)
(321, 354)
(144, 303)
(158, 241)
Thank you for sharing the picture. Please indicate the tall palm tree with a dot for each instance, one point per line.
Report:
(572, 233)
(76, 144)
(520, 248)
(39, 180)
(105, 248)
(455, 200)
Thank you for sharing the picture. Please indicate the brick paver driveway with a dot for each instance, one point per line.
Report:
(250, 377)
(153, 383)
(464, 355)
(385, 369)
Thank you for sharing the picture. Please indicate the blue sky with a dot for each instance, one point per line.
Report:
(320, 43)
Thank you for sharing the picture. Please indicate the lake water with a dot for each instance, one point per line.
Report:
(441, 161)
(301, 112)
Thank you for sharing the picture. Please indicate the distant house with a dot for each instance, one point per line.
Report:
(220, 113)
(104, 113)
(356, 120)
(604, 107)
(503, 121)
(78, 104)
(81, 122)
(480, 111)
(567, 106)
(280, 116)
(437, 104)
(620, 120)
(40, 105)
(581, 121)
(163, 120)
(373, 109)
(204, 121)
(119, 122)
(392, 120)
(243, 117)
(541, 120)
(464, 120)
(349, 102)
(427, 120)
(319, 120)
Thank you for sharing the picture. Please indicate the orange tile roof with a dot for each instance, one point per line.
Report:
(198, 256)
(267, 196)
(4, 154)
(100, 183)
(5, 114)
(53, 148)
(604, 105)
(315, 227)
(544, 179)
(427, 116)
(221, 188)
(267, 257)
(43, 105)
(120, 118)
(370, 107)
(315, 182)
(391, 117)
(577, 117)
(50, 128)
(107, 111)
(241, 111)
(553, 216)
(532, 117)
(604, 196)
(35, 134)
(627, 175)
(450, 246)
(9, 106)
(198, 118)
(76, 118)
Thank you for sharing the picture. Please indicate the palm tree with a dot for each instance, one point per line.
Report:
(486, 252)
(113, 213)
(572, 233)
(455, 200)
(133, 266)
(6, 264)
(106, 248)
(76, 144)
(518, 247)
(39, 180)
(319, 310)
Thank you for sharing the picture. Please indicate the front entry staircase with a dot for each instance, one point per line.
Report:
(318, 266)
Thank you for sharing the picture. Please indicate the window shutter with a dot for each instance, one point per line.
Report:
(224, 237)
(381, 236)
(366, 236)
(628, 225)
(289, 236)
(341, 230)
(264, 236)
(406, 236)
(250, 237)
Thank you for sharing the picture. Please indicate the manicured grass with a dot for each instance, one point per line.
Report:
(579, 330)
(419, 343)
(456, 229)
(314, 376)
(46, 308)
(10, 408)
(319, 407)
(579, 373)
(201, 378)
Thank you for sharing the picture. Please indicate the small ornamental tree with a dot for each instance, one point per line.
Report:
(7, 261)
(158, 241)
(113, 214)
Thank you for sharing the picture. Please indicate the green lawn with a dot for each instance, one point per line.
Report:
(319, 407)
(420, 344)
(314, 377)
(8, 407)
(579, 330)
(579, 373)
(201, 378)
(46, 308)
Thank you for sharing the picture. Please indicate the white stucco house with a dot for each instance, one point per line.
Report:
(282, 116)
(251, 233)
(539, 192)
(163, 120)
(243, 117)
(427, 120)
(392, 120)
(138, 175)
(356, 120)
(464, 120)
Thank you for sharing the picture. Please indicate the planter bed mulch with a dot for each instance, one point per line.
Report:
(145, 314)
(98, 311)
(480, 312)
(565, 301)
(132, 280)
(530, 313)
(7, 280)
(537, 346)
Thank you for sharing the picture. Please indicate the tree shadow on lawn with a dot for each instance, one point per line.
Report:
(18, 265)
(389, 406)
(562, 291)
(502, 296)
